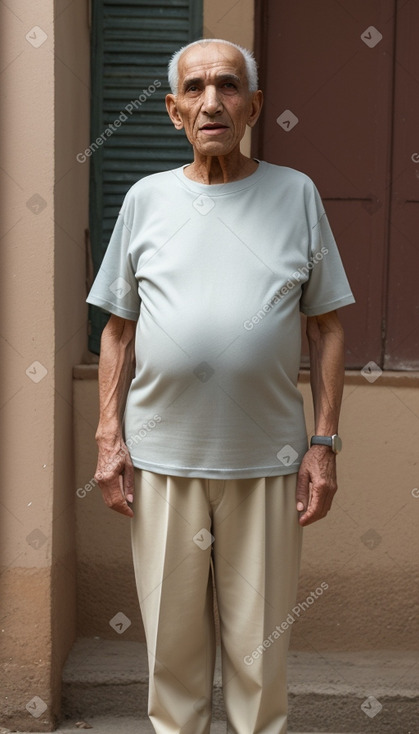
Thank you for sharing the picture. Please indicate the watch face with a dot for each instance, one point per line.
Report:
(336, 443)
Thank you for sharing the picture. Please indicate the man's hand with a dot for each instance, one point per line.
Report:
(115, 475)
(316, 484)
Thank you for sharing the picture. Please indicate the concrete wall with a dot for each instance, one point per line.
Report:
(45, 78)
(365, 551)
(234, 24)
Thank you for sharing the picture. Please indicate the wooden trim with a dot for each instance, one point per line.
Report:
(260, 23)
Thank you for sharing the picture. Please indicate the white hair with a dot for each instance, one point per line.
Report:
(249, 60)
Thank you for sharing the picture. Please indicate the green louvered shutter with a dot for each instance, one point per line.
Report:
(132, 41)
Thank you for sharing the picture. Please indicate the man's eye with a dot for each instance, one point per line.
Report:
(229, 85)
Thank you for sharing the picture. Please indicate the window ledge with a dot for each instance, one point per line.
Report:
(352, 377)
(388, 378)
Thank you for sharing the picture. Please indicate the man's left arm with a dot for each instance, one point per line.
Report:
(317, 484)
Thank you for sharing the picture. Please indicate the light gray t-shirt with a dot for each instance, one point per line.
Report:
(216, 276)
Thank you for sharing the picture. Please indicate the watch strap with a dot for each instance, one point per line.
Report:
(334, 442)
(321, 441)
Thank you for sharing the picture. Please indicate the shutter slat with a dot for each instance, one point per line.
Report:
(132, 42)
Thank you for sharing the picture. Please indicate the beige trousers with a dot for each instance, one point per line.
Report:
(244, 532)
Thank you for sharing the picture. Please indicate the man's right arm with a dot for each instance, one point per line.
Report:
(115, 472)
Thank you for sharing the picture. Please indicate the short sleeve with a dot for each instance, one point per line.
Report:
(327, 287)
(115, 288)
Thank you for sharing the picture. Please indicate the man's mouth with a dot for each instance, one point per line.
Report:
(214, 128)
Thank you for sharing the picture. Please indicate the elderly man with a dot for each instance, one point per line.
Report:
(205, 276)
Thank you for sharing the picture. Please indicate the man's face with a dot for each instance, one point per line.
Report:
(213, 103)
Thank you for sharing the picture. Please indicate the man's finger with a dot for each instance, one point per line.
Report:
(113, 495)
(123, 509)
(307, 509)
(319, 505)
(128, 482)
(118, 503)
(302, 493)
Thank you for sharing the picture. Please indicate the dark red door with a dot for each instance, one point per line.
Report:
(340, 79)
(402, 313)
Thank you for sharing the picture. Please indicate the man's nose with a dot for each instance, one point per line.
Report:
(211, 103)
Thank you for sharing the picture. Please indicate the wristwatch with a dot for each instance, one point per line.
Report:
(334, 442)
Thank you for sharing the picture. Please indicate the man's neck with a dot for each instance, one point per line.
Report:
(220, 169)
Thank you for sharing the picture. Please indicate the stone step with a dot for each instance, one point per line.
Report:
(123, 725)
(134, 726)
(374, 691)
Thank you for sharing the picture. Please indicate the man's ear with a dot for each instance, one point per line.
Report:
(173, 111)
(257, 102)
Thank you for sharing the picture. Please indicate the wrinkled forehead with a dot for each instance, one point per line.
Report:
(206, 59)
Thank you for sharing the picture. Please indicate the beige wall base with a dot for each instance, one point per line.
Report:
(26, 652)
(365, 550)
